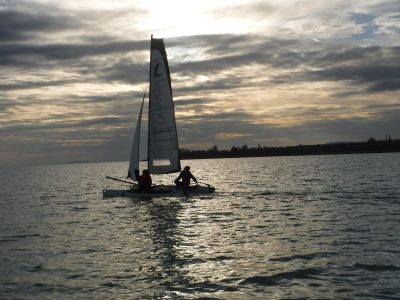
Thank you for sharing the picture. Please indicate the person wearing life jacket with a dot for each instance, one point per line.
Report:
(145, 181)
(184, 177)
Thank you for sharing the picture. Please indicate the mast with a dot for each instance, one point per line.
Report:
(148, 111)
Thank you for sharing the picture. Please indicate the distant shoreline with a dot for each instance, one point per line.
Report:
(371, 146)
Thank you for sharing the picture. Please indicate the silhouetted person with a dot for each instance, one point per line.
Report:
(185, 176)
(145, 181)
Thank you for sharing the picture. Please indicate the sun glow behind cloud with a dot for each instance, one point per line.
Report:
(181, 18)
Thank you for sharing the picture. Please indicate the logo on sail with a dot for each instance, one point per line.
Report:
(155, 73)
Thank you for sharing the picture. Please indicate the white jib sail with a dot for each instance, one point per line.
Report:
(133, 172)
(163, 152)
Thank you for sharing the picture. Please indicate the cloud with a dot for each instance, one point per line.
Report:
(22, 23)
(233, 131)
(79, 124)
(4, 106)
(375, 67)
(124, 70)
(253, 10)
(32, 84)
(388, 85)
(378, 74)
(71, 50)
(383, 7)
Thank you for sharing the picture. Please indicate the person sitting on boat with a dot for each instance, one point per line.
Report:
(145, 181)
(185, 175)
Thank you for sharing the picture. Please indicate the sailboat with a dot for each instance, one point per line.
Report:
(162, 151)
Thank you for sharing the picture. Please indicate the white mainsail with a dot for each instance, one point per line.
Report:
(163, 153)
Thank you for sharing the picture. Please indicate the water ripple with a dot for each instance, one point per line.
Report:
(276, 279)
(304, 256)
(376, 268)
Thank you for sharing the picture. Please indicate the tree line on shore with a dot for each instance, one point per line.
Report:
(370, 146)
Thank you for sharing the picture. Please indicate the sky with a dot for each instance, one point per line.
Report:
(273, 73)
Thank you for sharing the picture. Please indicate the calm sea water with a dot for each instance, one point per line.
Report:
(306, 227)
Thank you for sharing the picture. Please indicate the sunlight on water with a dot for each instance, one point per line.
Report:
(279, 227)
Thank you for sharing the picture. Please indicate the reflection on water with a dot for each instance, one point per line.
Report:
(283, 227)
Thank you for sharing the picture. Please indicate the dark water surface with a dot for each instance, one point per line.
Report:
(306, 227)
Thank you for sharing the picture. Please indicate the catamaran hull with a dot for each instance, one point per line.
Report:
(160, 191)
